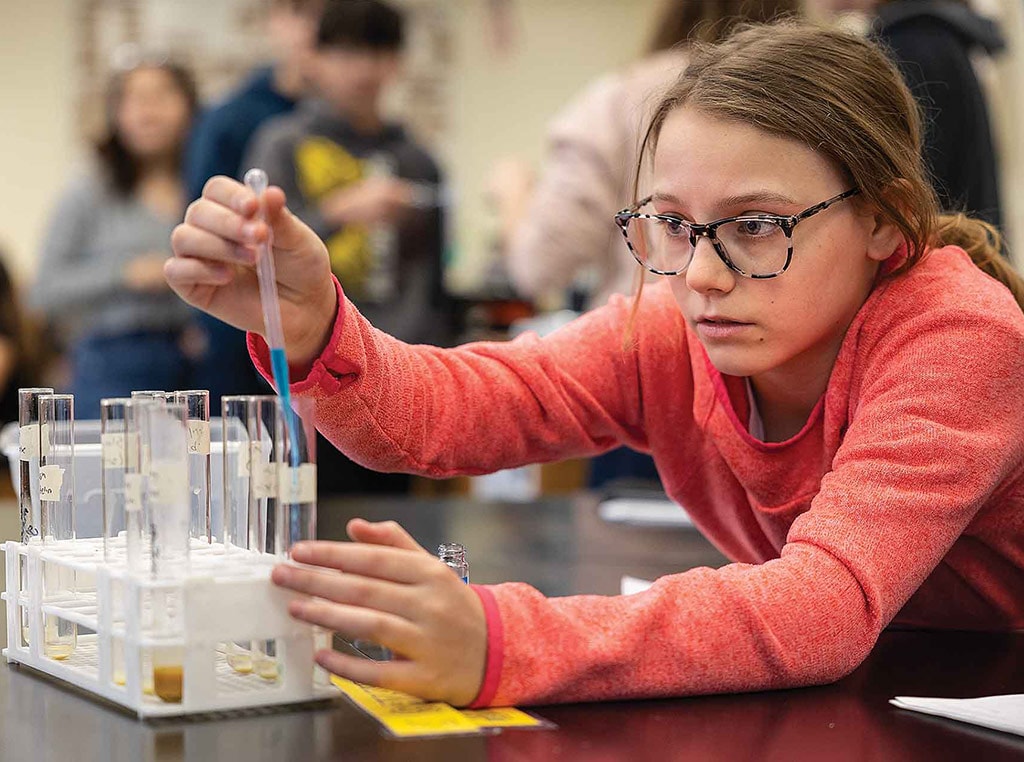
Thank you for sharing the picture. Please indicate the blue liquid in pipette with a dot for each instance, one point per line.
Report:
(279, 368)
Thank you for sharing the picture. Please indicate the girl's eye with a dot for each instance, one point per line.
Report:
(756, 228)
(675, 228)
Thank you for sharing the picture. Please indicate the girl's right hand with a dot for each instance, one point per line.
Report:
(213, 267)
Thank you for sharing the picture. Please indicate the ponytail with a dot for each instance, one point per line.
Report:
(983, 243)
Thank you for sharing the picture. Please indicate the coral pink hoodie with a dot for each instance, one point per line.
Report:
(901, 499)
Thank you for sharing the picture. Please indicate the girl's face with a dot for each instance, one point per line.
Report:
(790, 326)
(153, 113)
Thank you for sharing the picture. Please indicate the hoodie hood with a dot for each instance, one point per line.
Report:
(975, 30)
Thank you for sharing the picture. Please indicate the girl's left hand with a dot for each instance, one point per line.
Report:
(386, 588)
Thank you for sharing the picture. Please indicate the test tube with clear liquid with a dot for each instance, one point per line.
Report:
(237, 417)
(296, 504)
(28, 473)
(122, 504)
(57, 514)
(197, 402)
(267, 434)
(165, 431)
(250, 466)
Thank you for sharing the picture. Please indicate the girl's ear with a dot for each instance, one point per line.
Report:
(885, 237)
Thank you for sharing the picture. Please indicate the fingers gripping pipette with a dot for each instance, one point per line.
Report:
(257, 181)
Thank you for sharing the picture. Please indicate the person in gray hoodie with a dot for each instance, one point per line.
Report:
(362, 183)
(367, 189)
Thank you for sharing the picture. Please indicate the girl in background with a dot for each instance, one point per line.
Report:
(827, 377)
(557, 231)
(100, 279)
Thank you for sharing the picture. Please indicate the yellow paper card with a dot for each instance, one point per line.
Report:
(502, 717)
(406, 716)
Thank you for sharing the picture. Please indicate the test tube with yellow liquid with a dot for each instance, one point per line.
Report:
(165, 432)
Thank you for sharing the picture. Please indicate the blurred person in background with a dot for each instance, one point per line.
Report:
(557, 229)
(19, 358)
(366, 187)
(932, 42)
(19, 350)
(217, 147)
(100, 279)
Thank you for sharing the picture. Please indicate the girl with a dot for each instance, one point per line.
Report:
(101, 272)
(825, 380)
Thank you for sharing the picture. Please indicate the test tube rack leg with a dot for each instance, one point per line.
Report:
(226, 597)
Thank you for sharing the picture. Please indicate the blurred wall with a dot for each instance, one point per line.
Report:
(502, 105)
(37, 130)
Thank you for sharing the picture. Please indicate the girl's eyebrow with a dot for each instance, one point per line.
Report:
(758, 196)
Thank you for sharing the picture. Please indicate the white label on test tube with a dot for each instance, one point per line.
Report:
(28, 441)
(51, 479)
(297, 485)
(133, 450)
(168, 482)
(244, 456)
(113, 449)
(198, 437)
(264, 479)
(133, 492)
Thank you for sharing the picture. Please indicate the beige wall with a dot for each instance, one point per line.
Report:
(501, 107)
(37, 134)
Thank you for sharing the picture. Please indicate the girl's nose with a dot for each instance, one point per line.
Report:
(707, 272)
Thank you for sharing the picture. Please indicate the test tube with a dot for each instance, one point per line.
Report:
(149, 394)
(296, 505)
(453, 555)
(57, 512)
(28, 422)
(114, 450)
(165, 431)
(136, 515)
(197, 403)
(236, 413)
(115, 480)
(266, 433)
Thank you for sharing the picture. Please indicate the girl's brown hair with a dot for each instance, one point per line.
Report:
(840, 95)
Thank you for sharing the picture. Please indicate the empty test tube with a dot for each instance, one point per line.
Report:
(114, 455)
(28, 422)
(197, 403)
(57, 513)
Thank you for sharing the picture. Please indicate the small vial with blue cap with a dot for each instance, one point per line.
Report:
(453, 555)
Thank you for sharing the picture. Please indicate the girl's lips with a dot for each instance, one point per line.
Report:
(721, 328)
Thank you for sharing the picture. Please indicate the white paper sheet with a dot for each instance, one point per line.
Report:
(644, 512)
(1005, 713)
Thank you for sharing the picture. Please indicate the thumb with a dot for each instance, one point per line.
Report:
(289, 231)
(388, 533)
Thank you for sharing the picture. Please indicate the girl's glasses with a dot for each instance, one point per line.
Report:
(753, 245)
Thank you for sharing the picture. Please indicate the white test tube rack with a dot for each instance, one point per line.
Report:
(226, 598)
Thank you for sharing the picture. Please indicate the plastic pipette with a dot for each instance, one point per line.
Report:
(257, 181)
